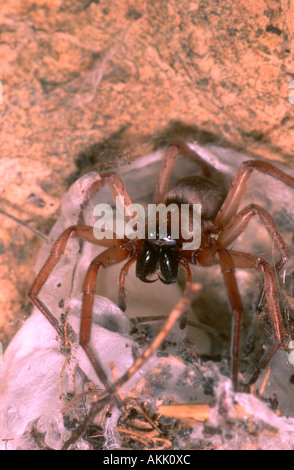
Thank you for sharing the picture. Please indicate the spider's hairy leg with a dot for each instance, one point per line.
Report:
(238, 224)
(81, 231)
(239, 186)
(228, 271)
(181, 306)
(184, 263)
(122, 281)
(169, 160)
(108, 258)
(243, 261)
(230, 260)
(117, 189)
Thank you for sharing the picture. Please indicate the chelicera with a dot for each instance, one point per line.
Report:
(159, 259)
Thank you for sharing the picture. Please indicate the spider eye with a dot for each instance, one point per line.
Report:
(147, 262)
(169, 264)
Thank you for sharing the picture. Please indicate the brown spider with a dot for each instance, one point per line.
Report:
(221, 224)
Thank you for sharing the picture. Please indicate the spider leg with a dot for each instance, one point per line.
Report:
(81, 231)
(233, 199)
(230, 259)
(228, 271)
(107, 258)
(239, 223)
(245, 260)
(116, 187)
(167, 166)
(122, 281)
(183, 262)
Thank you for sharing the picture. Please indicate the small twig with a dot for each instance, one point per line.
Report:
(200, 412)
(143, 437)
(77, 397)
(61, 376)
(264, 382)
(114, 373)
(7, 440)
(153, 424)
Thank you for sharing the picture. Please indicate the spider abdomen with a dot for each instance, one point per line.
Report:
(196, 189)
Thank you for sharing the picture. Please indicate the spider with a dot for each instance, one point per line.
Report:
(221, 225)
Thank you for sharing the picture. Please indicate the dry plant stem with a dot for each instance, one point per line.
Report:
(199, 411)
(175, 314)
(61, 376)
(265, 381)
(69, 404)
